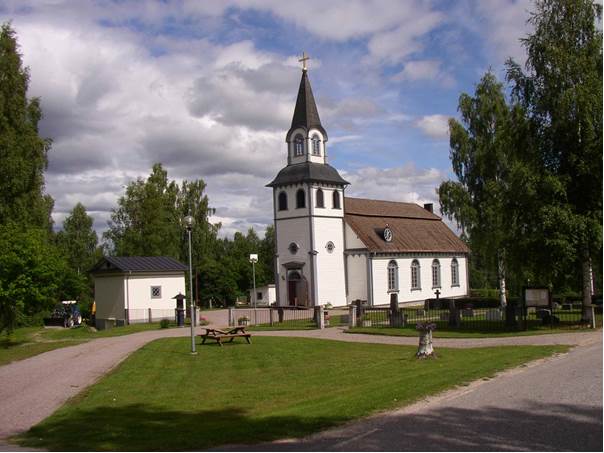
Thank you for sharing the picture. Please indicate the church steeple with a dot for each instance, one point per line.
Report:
(306, 115)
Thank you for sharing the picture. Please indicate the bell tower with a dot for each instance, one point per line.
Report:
(308, 199)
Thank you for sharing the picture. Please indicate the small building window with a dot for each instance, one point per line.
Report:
(336, 199)
(415, 275)
(454, 272)
(300, 199)
(282, 201)
(435, 274)
(298, 145)
(392, 276)
(320, 201)
(156, 292)
(316, 145)
(258, 296)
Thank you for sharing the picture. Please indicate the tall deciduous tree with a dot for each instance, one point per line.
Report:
(146, 221)
(78, 240)
(22, 150)
(561, 89)
(480, 154)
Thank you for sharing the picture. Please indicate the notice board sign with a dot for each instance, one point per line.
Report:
(537, 297)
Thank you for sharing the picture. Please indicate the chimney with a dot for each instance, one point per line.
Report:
(429, 207)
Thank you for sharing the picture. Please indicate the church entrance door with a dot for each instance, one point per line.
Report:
(297, 294)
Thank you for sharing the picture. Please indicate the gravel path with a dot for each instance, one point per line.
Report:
(34, 388)
(553, 404)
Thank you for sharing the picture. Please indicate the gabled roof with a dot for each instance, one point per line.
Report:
(139, 264)
(413, 228)
(306, 115)
(308, 172)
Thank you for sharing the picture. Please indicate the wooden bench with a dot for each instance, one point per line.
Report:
(219, 335)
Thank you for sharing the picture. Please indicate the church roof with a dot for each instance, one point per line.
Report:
(306, 114)
(414, 229)
(308, 172)
(138, 264)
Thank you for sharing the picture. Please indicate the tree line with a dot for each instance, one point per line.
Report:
(40, 267)
(528, 159)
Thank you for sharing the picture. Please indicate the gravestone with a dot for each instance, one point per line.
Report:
(494, 315)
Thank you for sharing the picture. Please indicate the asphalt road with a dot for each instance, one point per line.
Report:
(551, 405)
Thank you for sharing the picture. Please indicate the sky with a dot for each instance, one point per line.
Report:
(208, 89)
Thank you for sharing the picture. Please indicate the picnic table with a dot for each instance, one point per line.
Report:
(219, 335)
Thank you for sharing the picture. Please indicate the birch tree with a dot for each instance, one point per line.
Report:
(561, 89)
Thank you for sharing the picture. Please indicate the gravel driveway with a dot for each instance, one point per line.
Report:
(34, 388)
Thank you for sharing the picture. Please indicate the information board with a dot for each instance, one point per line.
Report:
(536, 297)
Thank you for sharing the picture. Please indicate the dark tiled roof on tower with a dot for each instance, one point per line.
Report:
(306, 114)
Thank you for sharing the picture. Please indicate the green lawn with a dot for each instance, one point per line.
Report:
(163, 398)
(29, 341)
(457, 333)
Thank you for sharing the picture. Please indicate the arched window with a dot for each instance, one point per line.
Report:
(282, 201)
(336, 199)
(320, 201)
(298, 145)
(415, 275)
(392, 276)
(300, 199)
(435, 274)
(316, 145)
(454, 272)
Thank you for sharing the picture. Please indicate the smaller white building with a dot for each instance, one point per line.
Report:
(265, 295)
(137, 289)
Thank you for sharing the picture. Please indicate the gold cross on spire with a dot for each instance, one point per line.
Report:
(303, 60)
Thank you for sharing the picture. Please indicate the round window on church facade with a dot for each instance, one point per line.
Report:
(330, 247)
(293, 248)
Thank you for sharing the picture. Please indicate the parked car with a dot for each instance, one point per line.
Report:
(66, 314)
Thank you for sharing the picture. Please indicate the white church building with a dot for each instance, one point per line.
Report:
(334, 249)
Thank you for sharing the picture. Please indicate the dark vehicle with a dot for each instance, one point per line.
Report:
(66, 314)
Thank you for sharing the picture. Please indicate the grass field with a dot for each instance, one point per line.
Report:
(163, 398)
(29, 341)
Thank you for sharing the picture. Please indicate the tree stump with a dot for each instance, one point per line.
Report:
(425, 348)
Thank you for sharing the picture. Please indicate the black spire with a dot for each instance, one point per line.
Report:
(306, 114)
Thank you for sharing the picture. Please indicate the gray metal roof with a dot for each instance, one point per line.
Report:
(308, 172)
(139, 264)
(306, 114)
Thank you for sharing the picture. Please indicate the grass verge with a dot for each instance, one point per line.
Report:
(410, 331)
(27, 342)
(163, 398)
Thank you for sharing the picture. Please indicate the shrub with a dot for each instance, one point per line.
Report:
(203, 321)
(164, 324)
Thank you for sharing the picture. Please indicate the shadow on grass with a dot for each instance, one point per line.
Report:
(148, 428)
(533, 427)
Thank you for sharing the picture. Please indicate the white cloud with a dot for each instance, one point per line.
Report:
(434, 126)
(406, 183)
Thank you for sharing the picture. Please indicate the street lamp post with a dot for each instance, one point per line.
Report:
(254, 260)
(189, 225)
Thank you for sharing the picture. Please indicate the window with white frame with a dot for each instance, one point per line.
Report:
(415, 275)
(156, 292)
(316, 145)
(282, 201)
(320, 199)
(336, 199)
(392, 276)
(298, 145)
(300, 199)
(454, 272)
(435, 274)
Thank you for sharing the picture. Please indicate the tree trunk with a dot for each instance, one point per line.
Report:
(587, 286)
(501, 275)
(425, 344)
